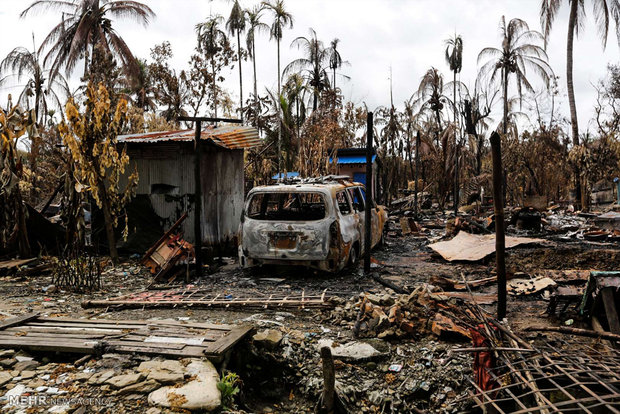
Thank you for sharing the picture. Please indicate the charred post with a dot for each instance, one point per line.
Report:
(369, 194)
(198, 202)
(500, 237)
(417, 168)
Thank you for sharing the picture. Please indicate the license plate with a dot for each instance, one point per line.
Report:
(283, 240)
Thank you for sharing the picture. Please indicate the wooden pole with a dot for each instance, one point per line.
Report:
(417, 168)
(500, 237)
(369, 194)
(198, 201)
(329, 380)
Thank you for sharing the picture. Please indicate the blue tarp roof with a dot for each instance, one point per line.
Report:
(291, 174)
(352, 159)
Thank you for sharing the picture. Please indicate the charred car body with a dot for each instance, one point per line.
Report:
(317, 223)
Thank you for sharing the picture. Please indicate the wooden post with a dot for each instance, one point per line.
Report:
(198, 201)
(198, 183)
(456, 175)
(329, 380)
(369, 194)
(417, 167)
(500, 237)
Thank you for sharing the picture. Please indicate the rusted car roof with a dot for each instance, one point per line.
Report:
(226, 136)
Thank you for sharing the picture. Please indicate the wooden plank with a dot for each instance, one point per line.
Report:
(13, 334)
(187, 352)
(610, 310)
(18, 320)
(81, 326)
(9, 264)
(222, 327)
(51, 344)
(235, 335)
(145, 344)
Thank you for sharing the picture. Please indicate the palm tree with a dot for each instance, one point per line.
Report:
(294, 90)
(141, 88)
(235, 25)
(281, 19)
(518, 54)
(312, 63)
(22, 64)
(85, 24)
(454, 58)
(254, 26)
(430, 95)
(211, 40)
(335, 60)
(602, 9)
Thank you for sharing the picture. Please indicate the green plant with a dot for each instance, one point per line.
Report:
(229, 387)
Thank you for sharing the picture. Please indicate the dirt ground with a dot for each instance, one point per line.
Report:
(288, 378)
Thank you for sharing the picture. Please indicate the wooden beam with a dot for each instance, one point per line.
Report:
(18, 320)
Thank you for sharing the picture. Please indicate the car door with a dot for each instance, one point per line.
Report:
(349, 221)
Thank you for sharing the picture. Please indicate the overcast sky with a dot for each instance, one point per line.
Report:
(407, 35)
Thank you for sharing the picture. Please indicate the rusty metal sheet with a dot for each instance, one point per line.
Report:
(474, 247)
(226, 136)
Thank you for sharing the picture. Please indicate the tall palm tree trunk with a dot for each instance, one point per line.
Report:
(214, 88)
(255, 87)
(279, 117)
(334, 78)
(240, 75)
(569, 71)
(505, 99)
(456, 149)
(572, 21)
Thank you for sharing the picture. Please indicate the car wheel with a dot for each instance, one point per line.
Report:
(353, 256)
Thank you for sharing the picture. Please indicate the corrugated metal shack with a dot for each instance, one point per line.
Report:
(165, 164)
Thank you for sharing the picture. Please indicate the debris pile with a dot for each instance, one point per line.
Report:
(421, 313)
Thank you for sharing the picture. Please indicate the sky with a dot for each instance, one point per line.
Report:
(375, 35)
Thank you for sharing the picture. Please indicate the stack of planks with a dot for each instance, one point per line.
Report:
(94, 336)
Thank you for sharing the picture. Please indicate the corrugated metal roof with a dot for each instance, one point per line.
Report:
(226, 136)
(352, 159)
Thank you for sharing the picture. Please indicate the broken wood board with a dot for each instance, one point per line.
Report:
(520, 287)
(13, 265)
(93, 336)
(473, 247)
(202, 298)
(479, 298)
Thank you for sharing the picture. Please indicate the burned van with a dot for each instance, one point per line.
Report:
(317, 223)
